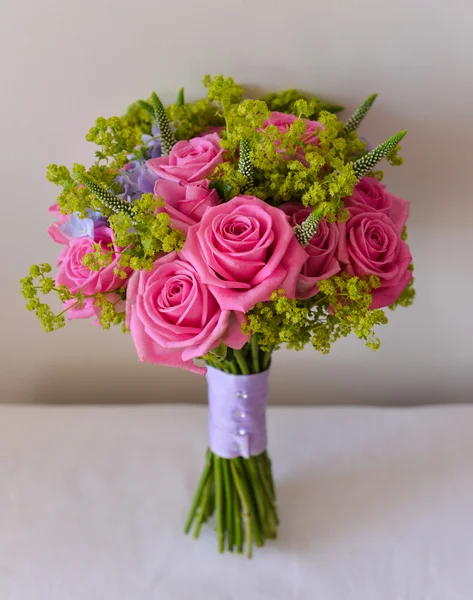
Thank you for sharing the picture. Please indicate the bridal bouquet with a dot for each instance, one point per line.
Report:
(215, 232)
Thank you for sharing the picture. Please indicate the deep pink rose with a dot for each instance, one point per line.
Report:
(283, 121)
(189, 161)
(369, 193)
(173, 317)
(76, 276)
(322, 250)
(370, 244)
(186, 204)
(244, 250)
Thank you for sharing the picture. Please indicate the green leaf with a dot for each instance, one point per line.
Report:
(220, 353)
(222, 188)
(180, 98)
(147, 107)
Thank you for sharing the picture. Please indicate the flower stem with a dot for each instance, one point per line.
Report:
(240, 359)
(255, 353)
(246, 508)
(229, 518)
(204, 503)
(219, 506)
(266, 360)
(250, 502)
(198, 494)
(237, 517)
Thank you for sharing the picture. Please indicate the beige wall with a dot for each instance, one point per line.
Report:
(64, 63)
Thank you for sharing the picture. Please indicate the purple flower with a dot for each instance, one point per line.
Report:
(136, 180)
(150, 147)
(152, 143)
(75, 227)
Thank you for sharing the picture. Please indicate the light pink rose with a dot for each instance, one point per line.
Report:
(54, 230)
(283, 121)
(244, 250)
(186, 204)
(189, 161)
(76, 276)
(370, 244)
(322, 250)
(369, 193)
(173, 317)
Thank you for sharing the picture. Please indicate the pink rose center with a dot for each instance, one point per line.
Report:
(238, 233)
(179, 300)
(375, 241)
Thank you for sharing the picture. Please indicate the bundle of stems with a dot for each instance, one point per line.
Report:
(239, 491)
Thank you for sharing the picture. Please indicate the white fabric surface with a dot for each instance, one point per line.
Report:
(375, 504)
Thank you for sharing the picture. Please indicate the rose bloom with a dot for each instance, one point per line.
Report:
(173, 317)
(244, 250)
(370, 244)
(76, 276)
(369, 193)
(189, 161)
(186, 204)
(54, 229)
(322, 250)
(283, 121)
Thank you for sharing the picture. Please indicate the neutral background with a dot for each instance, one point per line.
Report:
(64, 63)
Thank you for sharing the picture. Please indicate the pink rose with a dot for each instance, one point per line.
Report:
(173, 317)
(322, 250)
(370, 244)
(244, 250)
(76, 276)
(370, 194)
(186, 204)
(54, 230)
(189, 161)
(283, 121)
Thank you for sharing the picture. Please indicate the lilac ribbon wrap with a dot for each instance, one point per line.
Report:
(237, 413)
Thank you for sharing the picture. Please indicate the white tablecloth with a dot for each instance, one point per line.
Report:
(375, 504)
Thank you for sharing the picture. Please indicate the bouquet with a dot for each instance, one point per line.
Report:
(216, 231)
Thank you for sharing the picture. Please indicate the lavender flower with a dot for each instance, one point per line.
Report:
(136, 180)
(152, 143)
(75, 227)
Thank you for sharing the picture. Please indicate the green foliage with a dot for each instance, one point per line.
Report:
(359, 114)
(223, 189)
(306, 230)
(279, 176)
(390, 147)
(288, 101)
(244, 164)
(393, 157)
(407, 296)
(107, 199)
(76, 197)
(168, 138)
(150, 235)
(191, 120)
(225, 93)
(180, 98)
(341, 307)
(118, 136)
(37, 282)
(108, 311)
